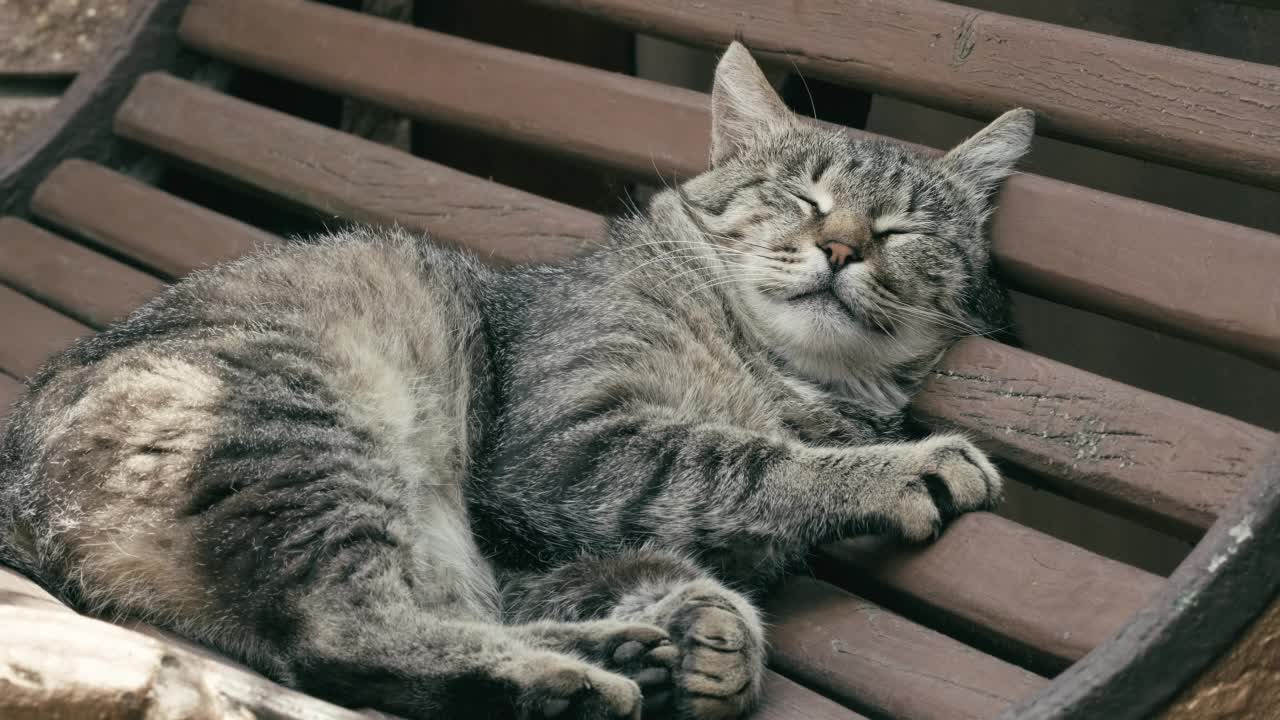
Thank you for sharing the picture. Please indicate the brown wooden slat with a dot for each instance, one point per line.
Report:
(163, 232)
(73, 279)
(1182, 274)
(1169, 464)
(1012, 581)
(787, 700)
(877, 662)
(31, 332)
(1198, 111)
(509, 94)
(336, 173)
(1062, 241)
(230, 136)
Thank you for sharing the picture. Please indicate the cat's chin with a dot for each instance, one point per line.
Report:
(816, 321)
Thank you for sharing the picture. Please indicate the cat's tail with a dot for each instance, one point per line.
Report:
(14, 553)
(19, 548)
(17, 541)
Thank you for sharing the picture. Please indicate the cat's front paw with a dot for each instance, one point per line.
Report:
(552, 686)
(947, 476)
(644, 653)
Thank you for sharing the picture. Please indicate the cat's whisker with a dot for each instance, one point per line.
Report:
(730, 239)
(813, 108)
(709, 247)
(661, 177)
(681, 267)
(712, 250)
(722, 273)
(724, 280)
(684, 255)
(937, 318)
(907, 312)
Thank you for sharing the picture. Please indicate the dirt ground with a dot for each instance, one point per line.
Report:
(56, 36)
(43, 39)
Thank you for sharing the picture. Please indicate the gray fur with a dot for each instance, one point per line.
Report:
(378, 471)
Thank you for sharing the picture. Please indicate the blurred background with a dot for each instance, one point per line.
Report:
(44, 43)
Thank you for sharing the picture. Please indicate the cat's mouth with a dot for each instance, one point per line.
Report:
(817, 289)
(823, 296)
(826, 292)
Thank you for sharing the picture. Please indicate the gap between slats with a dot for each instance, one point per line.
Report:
(1064, 242)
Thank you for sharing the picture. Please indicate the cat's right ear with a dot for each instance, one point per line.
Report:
(987, 158)
(743, 104)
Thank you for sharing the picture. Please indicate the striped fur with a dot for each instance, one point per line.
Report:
(378, 471)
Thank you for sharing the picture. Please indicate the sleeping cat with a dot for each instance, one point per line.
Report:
(381, 472)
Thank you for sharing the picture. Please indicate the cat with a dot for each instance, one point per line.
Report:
(384, 473)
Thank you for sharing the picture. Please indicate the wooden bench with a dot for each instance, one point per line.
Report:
(996, 618)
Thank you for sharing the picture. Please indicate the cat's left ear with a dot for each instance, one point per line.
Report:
(743, 104)
(986, 159)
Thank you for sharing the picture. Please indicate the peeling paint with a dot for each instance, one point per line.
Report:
(1240, 533)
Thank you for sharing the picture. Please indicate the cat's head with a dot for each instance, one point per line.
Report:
(849, 251)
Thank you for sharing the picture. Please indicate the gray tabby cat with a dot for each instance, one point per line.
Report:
(383, 473)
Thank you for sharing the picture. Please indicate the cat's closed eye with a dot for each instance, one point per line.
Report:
(887, 226)
(881, 235)
(808, 202)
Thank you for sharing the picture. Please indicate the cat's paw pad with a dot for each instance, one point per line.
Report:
(638, 644)
(641, 652)
(949, 476)
(721, 661)
(559, 687)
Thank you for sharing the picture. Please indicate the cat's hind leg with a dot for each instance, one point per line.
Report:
(716, 632)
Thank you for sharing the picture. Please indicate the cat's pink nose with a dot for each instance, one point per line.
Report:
(839, 254)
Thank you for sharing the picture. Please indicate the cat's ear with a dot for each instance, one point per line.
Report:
(989, 157)
(743, 104)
